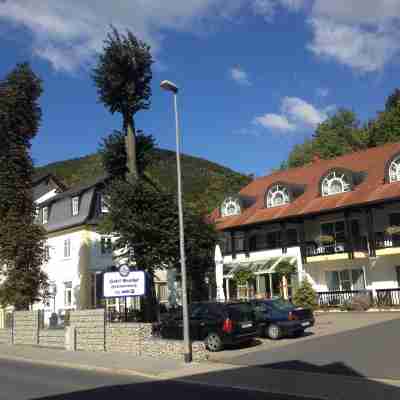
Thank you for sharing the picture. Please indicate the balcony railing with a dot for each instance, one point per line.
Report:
(339, 297)
(384, 241)
(313, 249)
(388, 297)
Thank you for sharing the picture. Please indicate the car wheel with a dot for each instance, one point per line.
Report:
(213, 342)
(274, 332)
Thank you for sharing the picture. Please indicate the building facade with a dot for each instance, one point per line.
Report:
(337, 221)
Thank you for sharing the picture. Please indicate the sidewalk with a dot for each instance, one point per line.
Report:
(312, 385)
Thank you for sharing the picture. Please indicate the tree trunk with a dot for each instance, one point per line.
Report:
(130, 145)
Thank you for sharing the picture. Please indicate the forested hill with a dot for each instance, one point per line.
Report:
(343, 133)
(205, 183)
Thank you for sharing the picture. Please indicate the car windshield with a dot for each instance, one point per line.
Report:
(240, 312)
(281, 305)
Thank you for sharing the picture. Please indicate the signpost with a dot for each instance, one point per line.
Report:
(124, 283)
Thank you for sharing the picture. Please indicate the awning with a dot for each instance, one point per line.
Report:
(266, 266)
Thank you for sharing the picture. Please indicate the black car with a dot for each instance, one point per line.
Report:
(277, 318)
(218, 324)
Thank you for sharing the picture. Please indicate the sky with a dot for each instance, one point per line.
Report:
(255, 76)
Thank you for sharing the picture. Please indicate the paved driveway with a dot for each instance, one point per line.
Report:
(353, 344)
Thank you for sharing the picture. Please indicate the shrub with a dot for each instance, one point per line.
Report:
(305, 296)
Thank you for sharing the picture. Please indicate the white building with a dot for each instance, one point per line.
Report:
(77, 253)
(337, 221)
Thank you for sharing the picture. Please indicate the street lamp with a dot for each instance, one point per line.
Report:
(171, 87)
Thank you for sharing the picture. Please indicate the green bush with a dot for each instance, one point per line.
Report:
(305, 296)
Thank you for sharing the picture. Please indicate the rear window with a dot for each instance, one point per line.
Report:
(281, 305)
(240, 312)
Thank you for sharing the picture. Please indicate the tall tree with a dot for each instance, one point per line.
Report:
(123, 76)
(301, 154)
(21, 240)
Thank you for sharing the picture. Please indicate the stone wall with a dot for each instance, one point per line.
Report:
(127, 337)
(161, 348)
(5, 336)
(52, 338)
(90, 329)
(26, 327)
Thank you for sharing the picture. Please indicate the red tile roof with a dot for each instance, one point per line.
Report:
(372, 189)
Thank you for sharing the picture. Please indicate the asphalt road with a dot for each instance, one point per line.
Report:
(22, 381)
(371, 351)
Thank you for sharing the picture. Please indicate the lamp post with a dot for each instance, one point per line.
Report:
(171, 87)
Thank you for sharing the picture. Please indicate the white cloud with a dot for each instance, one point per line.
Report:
(296, 114)
(240, 76)
(275, 122)
(361, 34)
(267, 8)
(69, 33)
(322, 92)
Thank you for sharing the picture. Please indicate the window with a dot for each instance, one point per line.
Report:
(68, 294)
(106, 245)
(398, 276)
(334, 229)
(277, 196)
(292, 237)
(239, 241)
(67, 248)
(226, 243)
(273, 240)
(47, 252)
(75, 206)
(103, 204)
(346, 279)
(230, 206)
(335, 182)
(394, 170)
(162, 291)
(45, 215)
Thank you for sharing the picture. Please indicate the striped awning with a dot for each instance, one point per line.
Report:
(266, 266)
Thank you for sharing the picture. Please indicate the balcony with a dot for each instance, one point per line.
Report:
(387, 244)
(337, 250)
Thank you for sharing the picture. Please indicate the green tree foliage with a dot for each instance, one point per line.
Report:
(285, 268)
(305, 296)
(21, 240)
(300, 155)
(338, 135)
(386, 127)
(123, 77)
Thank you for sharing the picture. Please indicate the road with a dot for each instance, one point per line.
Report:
(370, 351)
(22, 381)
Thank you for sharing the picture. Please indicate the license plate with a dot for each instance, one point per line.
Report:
(305, 324)
(249, 325)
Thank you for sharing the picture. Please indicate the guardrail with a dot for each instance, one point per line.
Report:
(339, 297)
(388, 297)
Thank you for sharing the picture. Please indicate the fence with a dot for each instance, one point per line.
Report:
(88, 331)
(337, 298)
(388, 297)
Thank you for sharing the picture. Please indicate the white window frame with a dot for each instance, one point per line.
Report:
(68, 295)
(274, 192)
(332, 177)
(105, 245)
(103, 205)
(75, 206)
(45, 215)
(67, 248)
(230, 207)
(394, 170)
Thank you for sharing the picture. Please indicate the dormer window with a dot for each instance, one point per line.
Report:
(45, 215)
(335, 182)
(75, 206)
(394, 170)
(231, 206)
(277, 195)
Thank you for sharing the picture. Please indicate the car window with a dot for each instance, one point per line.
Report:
(261, 307)
(240, 312)
(281, 305)
(199, 311)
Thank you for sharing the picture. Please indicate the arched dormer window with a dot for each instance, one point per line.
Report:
(277, 195)
(335, 182)
(231, 206)
(394, 170)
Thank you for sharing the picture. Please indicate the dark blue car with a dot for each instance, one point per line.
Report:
(277, 318)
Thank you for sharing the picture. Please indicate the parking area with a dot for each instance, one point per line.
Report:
(356, 344)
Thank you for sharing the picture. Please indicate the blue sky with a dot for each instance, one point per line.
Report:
(256, 76)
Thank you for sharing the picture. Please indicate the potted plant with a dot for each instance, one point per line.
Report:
(326, 239)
